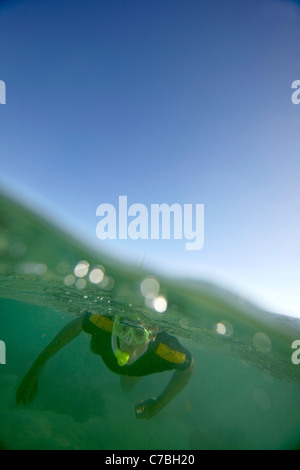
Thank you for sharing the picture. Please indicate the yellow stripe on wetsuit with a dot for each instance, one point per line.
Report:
(104, 323)
(170, 354)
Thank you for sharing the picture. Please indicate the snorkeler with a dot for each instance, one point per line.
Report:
(128, 349)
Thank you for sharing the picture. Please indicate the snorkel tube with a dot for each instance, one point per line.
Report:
(122, 356)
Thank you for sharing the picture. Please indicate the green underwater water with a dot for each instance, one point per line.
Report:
(244, 393)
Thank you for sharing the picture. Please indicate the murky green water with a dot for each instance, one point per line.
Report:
(244, 393)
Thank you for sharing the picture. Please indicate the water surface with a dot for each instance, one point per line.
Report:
(243, 394)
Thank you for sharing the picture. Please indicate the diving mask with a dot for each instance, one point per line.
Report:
(129, 336)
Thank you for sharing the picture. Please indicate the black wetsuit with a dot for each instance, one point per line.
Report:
(165, 353)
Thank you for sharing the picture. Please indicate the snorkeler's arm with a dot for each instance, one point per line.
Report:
(177, 383)
(65, 336)
(179, 380)
(28, 387)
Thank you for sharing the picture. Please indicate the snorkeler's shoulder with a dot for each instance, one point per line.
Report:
(169, 348)
(94, 323)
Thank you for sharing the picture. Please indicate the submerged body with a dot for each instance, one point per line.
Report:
(125, 355)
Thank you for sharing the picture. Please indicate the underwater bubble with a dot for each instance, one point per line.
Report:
(41, 269)
(262, 342)
(104, 282)
(69, 280)
(150, 288)
(184, 323)
(82, 268)
(96, 276)
(107, 283)
(32, 268)
(160, 304)
(224, 328)
(221, 329)
(63, 268)
(229, 328)
(111, 283)
(80, 284)
(149, 303)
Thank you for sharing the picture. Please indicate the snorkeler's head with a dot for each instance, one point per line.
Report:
(129, 340)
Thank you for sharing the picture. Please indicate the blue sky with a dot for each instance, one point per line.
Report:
(162, 101)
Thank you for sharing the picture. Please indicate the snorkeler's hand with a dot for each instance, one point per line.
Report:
(146, 409)
(27, 388)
